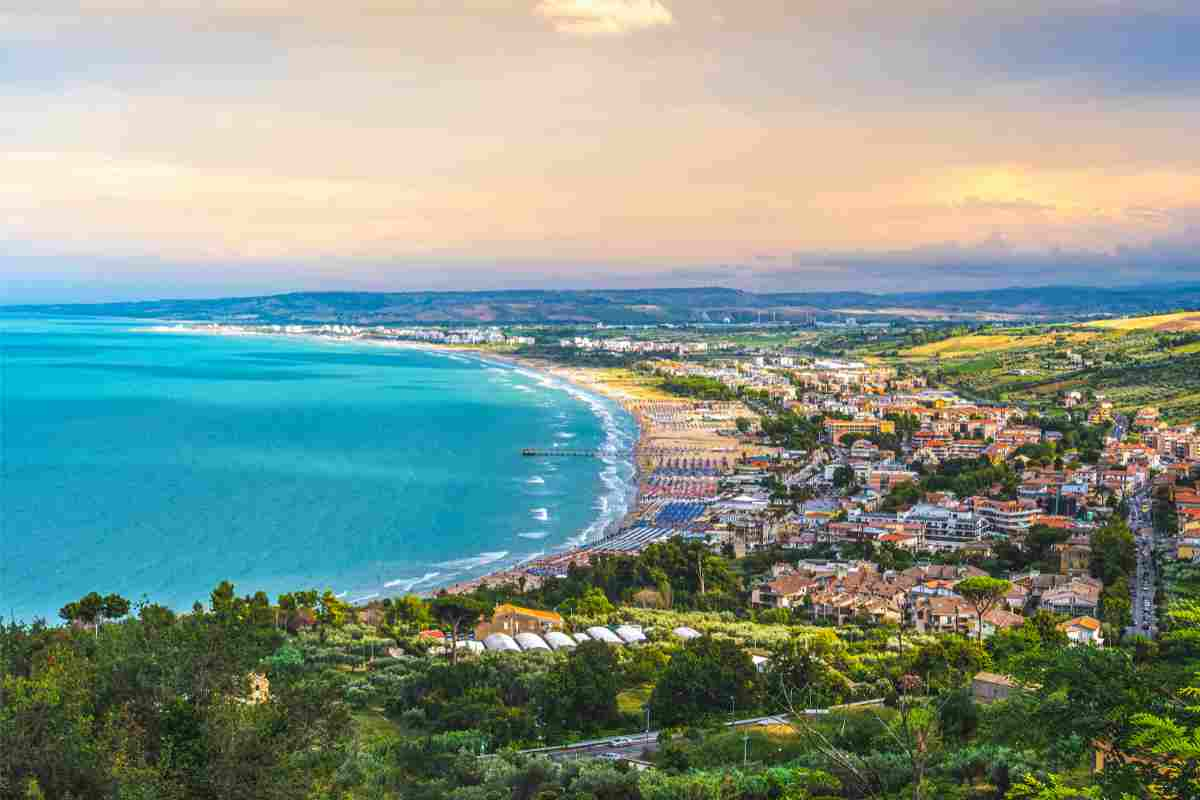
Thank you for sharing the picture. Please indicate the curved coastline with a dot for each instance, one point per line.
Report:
(589, 397)
(494, 566)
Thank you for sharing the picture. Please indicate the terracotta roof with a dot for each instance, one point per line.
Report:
(508, 608)
(992, 677)
(1091, 623)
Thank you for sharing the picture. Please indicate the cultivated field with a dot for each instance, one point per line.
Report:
(1182, 321)
(976, 344)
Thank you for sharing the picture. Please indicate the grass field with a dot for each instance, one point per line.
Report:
(632, 701)
(1181, 321)
(978, 344)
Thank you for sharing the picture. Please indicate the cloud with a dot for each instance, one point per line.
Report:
(601, 17)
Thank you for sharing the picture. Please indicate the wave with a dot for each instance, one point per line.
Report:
(565, 435)
(534, 535)
(541, 514)
(474, 562)
(536, 479)
(407, 584)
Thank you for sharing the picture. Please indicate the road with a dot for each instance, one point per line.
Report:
(631, 746)
(1145, 579)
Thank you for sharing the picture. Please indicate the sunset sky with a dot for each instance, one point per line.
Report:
(204, 147)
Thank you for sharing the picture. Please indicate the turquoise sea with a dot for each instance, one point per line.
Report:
(156, 464)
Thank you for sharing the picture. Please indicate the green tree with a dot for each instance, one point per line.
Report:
(984, 594)
(458, 613)
(843, 478)
(581, 692)
(593, 604)
(114, 607)
(1113, 551)
(87, 609)
(704, 678)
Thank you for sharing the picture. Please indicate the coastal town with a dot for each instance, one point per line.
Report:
(897, 472)
(875, 490)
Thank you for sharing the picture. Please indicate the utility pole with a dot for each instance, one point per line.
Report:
(745, 748)
(647, 720)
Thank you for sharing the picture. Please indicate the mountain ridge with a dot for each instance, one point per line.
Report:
(637, 306)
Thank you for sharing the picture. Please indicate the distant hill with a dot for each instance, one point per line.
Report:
(642, 306)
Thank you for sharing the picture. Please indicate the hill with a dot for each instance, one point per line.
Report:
(644, 306)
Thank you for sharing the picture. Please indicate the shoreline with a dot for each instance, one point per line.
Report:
(595, 390)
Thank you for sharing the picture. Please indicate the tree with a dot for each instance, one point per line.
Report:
(843, 478)
(409, 612)
(114, 607)
(1113, 551)
(1170, 746)
(331, 610)
(593, 604)
(581, 692)
(702, 679)
(744, 424)
(87, 609)
(984, 594)
(457, 612)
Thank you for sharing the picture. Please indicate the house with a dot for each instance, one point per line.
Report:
(1076, 597)
(1017, 597)
(942, 615)
(511, 620)
(787, 591)
(1083, 630)
(1073, 559)
(1188, 549)
(988, 687)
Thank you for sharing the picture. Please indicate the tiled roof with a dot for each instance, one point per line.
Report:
(508, 608)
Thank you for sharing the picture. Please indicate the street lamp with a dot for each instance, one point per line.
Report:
(647, 720)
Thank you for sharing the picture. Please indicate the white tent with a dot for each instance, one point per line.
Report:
(684, 632)
(559, 640)
(581, 637)
(501, 642)
(630, 634)
(604, 635)
(531, 641)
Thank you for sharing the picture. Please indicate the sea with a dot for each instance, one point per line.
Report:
(154, 462)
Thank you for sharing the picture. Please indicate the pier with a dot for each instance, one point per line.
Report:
(647, 452)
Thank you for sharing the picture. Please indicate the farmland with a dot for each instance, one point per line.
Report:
(1133, 362)
(1181, 321)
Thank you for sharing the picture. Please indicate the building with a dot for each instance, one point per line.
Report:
(1010, 517)
(511, 620)
(784, 592)
(836, 429)
(1083, 630)
(988, 687)
(1073, 559)
(947, 529)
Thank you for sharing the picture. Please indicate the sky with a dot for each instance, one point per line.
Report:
(193, 148)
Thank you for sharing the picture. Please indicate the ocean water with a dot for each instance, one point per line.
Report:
(157, 464)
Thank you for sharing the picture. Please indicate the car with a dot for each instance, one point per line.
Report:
(621, 741)
(610, 756)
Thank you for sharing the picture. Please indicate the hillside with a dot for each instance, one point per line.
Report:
(645, 306)
(1133, 361)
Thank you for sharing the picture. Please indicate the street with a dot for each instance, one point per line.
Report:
(1145, 619)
